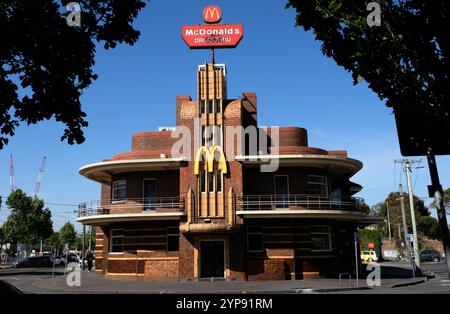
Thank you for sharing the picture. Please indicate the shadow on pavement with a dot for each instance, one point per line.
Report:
(391, 272)
(31, 273)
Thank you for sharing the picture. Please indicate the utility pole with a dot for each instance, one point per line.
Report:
(405, 226)
(82, 247)
(435, 190)
(408, 163)
(389, 221)
(90, 235)
(413, 213)
(11, 174)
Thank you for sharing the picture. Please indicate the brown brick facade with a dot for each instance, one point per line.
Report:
(209, 220)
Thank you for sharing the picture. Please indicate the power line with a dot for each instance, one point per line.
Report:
(61, 204)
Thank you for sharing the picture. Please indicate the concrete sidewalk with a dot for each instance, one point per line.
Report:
(93, 283)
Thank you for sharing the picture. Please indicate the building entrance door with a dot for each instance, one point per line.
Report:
(212, 259)
(282, 191)
(149, 194)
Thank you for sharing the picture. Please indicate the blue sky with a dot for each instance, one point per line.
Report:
(136, 89)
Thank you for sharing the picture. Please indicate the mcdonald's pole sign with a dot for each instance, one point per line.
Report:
(212, 35)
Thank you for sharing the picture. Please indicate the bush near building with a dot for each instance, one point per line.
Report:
(367, 236)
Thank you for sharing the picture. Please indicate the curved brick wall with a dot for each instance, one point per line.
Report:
(292, 136)
(149, 145)
(142, 154)
(301, 150)
(152, 141)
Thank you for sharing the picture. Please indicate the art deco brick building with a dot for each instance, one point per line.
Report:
(165, 217)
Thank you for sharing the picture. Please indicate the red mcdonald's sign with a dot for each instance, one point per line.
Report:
(212, 14)
(212, 35)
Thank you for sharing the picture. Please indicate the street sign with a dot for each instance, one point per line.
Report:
(66, 247)
(409, 238)
(420, 128)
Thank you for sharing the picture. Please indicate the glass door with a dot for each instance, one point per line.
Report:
(149, 194)
(282, 191)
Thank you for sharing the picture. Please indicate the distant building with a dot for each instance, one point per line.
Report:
(166, 217)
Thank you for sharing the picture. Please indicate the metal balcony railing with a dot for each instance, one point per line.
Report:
(131, 205)
(298, 201)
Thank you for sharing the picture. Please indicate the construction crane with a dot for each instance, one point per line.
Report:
(11, 174)
(39, 177)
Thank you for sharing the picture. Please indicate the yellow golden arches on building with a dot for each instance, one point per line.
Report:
(210, 159)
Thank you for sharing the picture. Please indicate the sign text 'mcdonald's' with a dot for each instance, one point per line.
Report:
(213, 35)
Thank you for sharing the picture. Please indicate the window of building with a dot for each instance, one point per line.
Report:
(219, 178)
(202, 106)
(210, 136)
(218, 105)
(210, 106)
(173, 239)
(321, 238)
(116, 241)
(203, 135)
(218, 135)
(203, 180)
(255, 239)
(211, 181)
(119, 190)
(336, 196)
(317, 185)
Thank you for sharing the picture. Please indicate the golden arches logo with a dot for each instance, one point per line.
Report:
(203, 151)
(212, 14)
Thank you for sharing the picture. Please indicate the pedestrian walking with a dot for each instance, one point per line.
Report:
(90, 260)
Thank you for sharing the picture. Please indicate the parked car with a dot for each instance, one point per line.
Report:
(60, 260)
(34, 261)
(430, 256)
(365, 255)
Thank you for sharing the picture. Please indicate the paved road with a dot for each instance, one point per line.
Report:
(22, 278)
(33, 280)
(438, 285)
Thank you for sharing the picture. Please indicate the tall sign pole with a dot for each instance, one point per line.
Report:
(389, 221)
(356, 238)
(435, 190)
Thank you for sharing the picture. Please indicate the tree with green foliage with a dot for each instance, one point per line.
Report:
(79, 244)
(29, 221)
(46, 64)
(404, 59)
(54, 241)
(367, 236)
(429, 227)
(68, 234)
(393, 202)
